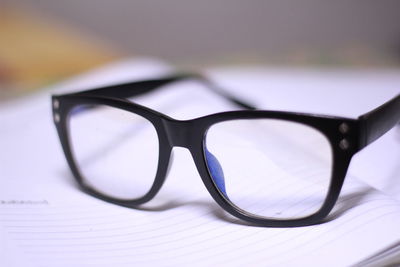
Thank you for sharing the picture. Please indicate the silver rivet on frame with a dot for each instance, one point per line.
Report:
(344, 128)
(344, 144)
(56, 104)
(57, 117)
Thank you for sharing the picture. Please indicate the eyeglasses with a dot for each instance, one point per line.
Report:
(270, 168)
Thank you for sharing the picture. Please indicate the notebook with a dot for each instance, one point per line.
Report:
(45, 220)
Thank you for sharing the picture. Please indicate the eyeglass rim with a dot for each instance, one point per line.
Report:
(329, 126)
(354, 135)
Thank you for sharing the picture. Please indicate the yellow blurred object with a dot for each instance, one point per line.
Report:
(36, 51)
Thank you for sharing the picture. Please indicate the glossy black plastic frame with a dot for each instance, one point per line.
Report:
(346, 137)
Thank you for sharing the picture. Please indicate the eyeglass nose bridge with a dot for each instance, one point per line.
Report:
(178, 132)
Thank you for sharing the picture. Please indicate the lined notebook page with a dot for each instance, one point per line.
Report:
(98, 234)
(46, 221)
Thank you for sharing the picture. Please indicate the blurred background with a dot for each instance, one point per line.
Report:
(44, 41)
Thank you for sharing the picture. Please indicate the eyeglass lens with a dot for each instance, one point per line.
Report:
(271, 168)
(115, 150)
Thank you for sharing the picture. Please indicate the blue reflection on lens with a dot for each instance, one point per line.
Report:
(216, 171)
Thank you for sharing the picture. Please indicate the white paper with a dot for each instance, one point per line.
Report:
(47, 221)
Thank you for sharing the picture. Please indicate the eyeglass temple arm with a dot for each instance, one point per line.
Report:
(142, 87)
(377, 122)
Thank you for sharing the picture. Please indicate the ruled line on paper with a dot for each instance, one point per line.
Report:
(320, 242)
(281, 242)
(193, 230)
(171, 242)
(92, 224)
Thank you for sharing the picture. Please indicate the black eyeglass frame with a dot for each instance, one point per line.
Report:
(346, 137)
